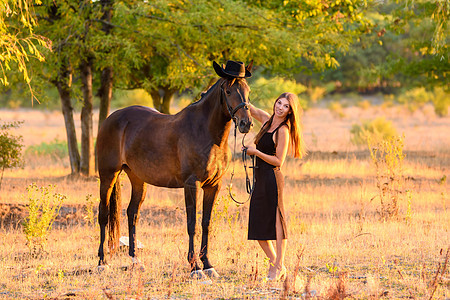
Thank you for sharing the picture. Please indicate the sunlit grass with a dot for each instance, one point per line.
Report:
(332, 214)
(343, 168)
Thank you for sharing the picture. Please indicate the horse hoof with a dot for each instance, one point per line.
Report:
(139, 267)
(198, 275)
(137, 264)
(102, 268)
(211, 273)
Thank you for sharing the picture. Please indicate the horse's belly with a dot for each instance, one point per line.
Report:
(158, 176)
(168, 183)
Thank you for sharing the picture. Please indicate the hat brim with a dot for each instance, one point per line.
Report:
(221, 72)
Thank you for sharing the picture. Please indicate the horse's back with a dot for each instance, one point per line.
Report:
(132, 115)
(111, 134)
(143, 140)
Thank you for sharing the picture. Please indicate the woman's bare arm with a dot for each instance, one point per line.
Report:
(259, 114)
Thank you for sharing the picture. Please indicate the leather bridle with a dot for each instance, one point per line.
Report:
(250, 185)
(232, 111)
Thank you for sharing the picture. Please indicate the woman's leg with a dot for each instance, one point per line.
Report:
(281, 243)
(268, 249)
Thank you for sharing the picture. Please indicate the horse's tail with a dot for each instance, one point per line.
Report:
(114, 217)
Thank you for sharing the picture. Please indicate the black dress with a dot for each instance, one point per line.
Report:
(267, 196)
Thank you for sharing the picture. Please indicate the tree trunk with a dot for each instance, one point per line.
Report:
(156, 99)
(105, 94)
(107, 76)
(167, 99)
(162, 104)
(63, 85)
(87, 141)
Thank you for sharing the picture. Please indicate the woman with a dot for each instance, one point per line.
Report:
(267, 219)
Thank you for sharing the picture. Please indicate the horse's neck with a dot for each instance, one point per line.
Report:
(218, 122)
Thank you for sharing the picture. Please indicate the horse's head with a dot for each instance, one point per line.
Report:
(235, 90)
(235, 95)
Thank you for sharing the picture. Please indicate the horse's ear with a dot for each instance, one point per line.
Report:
(249, 66)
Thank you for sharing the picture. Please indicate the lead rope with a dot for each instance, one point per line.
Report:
(250, 186)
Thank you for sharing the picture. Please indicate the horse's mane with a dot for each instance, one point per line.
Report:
(208, 91)
(230, 82)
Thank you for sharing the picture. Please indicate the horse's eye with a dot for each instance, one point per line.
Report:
(228, 92)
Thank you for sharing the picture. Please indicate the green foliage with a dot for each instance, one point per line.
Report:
(56, 149)
(170, 45)
(223, 214)
(331, 268)
(415, 98)
(422, 53)
(16, 95)
(444, 192)
(43, 207)
(373, 131)
(316, 93)
(404, 44)
(409, 211)
(88, 209)
(10, 148)
(18, 42)
(336, 109)
(134, 97)
(364, 104)
(265, 91)
(387, 156)
(441, 101)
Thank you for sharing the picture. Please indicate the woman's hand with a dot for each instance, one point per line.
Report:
(276, 160)
(251, 150)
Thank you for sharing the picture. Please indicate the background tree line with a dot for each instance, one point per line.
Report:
(167, 47)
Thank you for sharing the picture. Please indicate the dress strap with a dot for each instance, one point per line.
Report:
(275, 132)
(279, 126)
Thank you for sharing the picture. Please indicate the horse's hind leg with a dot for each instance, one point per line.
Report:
(107, 183)
(138, 190)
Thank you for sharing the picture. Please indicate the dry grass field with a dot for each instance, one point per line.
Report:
(338, 246)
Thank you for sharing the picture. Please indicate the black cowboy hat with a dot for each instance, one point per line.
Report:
(233, 68)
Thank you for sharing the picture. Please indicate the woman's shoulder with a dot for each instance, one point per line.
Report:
(283, 127)
(281, 131)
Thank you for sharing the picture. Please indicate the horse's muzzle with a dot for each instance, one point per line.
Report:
(245, 125)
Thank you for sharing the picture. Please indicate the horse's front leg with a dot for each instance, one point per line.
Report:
(209, 197)
(191, 188)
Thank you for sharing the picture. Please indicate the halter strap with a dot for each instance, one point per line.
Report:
(232, 111)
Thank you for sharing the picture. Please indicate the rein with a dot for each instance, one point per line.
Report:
(250, 185)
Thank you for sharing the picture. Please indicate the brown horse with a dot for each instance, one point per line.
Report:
(187, 150)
